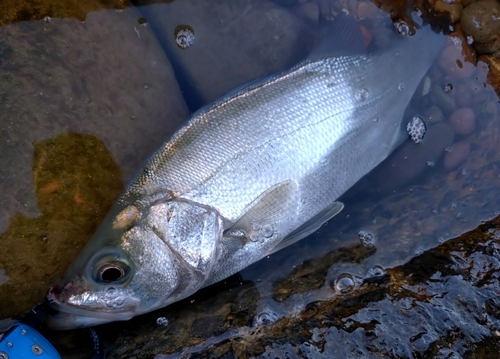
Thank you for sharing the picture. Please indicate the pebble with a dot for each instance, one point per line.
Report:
(308, 11)
(434, 114)
(458, 59)
(491, 67)
(456, 154)
(481, 20)
(410, 160)
(453, 9)
(463, 121)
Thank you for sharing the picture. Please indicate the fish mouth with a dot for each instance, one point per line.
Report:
(69, 316)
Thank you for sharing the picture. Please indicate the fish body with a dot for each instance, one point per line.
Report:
(246, 176)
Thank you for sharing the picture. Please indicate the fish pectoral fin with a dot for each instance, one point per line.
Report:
(310, 226)
(270, 214)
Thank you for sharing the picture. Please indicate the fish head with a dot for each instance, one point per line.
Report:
(142, 257)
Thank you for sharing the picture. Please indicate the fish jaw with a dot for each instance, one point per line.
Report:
(80, 307)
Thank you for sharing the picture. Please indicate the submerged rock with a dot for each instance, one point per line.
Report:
(235, 41)
(108, 83)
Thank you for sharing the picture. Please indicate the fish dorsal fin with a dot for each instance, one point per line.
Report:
(343, 38)
(269, 216)
(310, 226)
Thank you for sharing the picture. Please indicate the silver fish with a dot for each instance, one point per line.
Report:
(246, 176)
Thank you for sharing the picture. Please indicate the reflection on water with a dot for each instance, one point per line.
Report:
(383, 278)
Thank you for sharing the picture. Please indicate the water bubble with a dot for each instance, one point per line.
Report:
(184, 36)
(402, 28)
(431, 163)
(47, 19)
(376, 119)
(401, 87)
(448, 87)
(366, 239)
(268, 230)
(162, 321)
(376, 271)
(362, 94)
(265, 317)
(416, 129)
(142, 21)
(344, 283)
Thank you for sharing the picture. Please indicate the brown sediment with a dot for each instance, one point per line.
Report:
(72, 205)
(12, 11)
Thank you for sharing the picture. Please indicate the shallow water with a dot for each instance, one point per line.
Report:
(396, 274)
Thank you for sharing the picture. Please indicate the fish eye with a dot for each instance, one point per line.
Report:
(115, 272)
(111, 273)
(110, 266)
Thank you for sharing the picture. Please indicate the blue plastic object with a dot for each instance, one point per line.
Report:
(24, 342)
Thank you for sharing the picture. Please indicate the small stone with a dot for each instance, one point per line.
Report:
(366, 10)
(463, 121)
(456, 154)
(434, 114)
(481, 20)
(491, 67)
(453, 63)
(308, 11)
(454, 10)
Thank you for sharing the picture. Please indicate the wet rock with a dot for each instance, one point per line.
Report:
(236, 41)
(492, 66)
(107, 78)
(207, 327)
(458, 59)
(481, 20)
(12, 11)
(456, 154)
(463, 120)
(434, 114)
(411, 159)
(309, 11)
(75, 181)
(453, 10)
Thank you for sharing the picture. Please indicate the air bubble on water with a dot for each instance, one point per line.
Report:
(470, 40)
(366, 239)
(376, 271)
(416, 129)
(376, 119)
(184, 36)
(162, 321)
(47, 19)
(142, 21)
(431, 163)
(402, 28)
(266, 317)
(267, 230)
(448, 87)
(362, 94)
(344, 283)
(447, 149)
(401, 87)
(456, 41)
